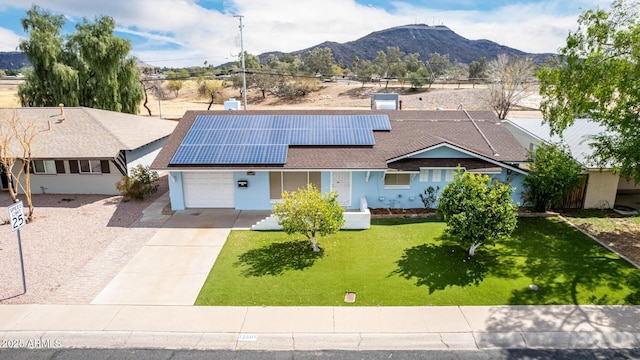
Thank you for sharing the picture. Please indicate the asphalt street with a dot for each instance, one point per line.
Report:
(154, 354)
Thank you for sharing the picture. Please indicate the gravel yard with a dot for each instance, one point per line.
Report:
(68, 232)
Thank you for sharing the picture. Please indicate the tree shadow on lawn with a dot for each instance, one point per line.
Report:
(567, 267)
(449, 264)
(570, 268)
(276, 258)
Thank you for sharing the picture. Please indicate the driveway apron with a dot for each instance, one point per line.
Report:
(171, 268)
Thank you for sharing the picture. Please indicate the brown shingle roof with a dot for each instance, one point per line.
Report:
(412, 131)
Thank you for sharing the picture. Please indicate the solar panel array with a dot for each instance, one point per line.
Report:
(265, 139)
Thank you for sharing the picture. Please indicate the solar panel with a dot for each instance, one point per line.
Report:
(379, 122)
(264, 139)
(231, 154)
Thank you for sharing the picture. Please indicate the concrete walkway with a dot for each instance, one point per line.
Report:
(149, 305)
(173, 265)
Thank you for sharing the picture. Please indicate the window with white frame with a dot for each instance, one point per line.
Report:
(43, 166)
(449, 175)
(424, 175)
(397, 181)
(436, 175)
(90, 166)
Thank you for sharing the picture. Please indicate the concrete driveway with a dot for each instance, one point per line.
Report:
(171, 268)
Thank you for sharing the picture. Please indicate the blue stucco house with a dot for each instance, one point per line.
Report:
(245, 160)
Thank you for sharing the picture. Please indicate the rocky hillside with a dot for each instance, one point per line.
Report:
(13, 60)
(422, 39)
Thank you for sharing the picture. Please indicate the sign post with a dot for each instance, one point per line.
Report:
(16, 215)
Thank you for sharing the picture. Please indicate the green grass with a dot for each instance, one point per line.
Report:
(412, 262)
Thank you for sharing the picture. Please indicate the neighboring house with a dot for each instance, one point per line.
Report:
(247, 159)
(602, 184)
(86, 151)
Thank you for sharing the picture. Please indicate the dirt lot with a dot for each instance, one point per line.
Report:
(342, 95)
(68, 231)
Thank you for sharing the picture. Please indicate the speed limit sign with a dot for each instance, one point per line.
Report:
(16, 215)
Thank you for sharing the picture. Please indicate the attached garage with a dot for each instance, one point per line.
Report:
(208, 190)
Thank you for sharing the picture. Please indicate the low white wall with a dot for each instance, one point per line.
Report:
(601, 190)
(353, 220)
(103, 184)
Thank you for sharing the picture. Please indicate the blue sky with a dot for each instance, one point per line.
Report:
(189, 32)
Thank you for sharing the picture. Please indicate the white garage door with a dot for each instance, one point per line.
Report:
(208, 189)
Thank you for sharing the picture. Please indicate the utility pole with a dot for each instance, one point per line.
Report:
(244, 76)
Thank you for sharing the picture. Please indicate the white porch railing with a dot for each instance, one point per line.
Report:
(353, 220)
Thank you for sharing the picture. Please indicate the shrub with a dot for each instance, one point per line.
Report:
(142, 182)
(553, 174)
(429, 196)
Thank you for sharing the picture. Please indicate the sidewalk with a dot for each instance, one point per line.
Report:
(314, 328)
(119, 323)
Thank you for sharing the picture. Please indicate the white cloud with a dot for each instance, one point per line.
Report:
(8, 40)
(534, 28)
(182, 29)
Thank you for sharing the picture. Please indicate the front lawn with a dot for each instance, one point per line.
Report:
(622, 233)
(411, 262)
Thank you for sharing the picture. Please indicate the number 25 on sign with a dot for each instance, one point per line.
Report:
(16, 215)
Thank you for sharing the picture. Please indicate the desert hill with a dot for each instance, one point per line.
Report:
(420, 38)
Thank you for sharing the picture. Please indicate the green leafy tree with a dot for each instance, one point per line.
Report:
(365, 71)
(420, 78)
(213, 89)
(310, 213)
(439, 64)
(510, 79)
(141, 182)
(380, 64)
(553, 174)
(389, 65)
(251, 65)
(291, 64)
(175, 86)
(476, 210)
(478, 69)
(264, 81)
(51, 81)
(354, 64)
(597, 76)
(319, 61)
(412, 62)
(91, 69)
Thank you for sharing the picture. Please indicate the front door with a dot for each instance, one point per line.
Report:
(341, 183)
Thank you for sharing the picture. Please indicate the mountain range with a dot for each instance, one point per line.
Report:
(13, 60)
(419, 38)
